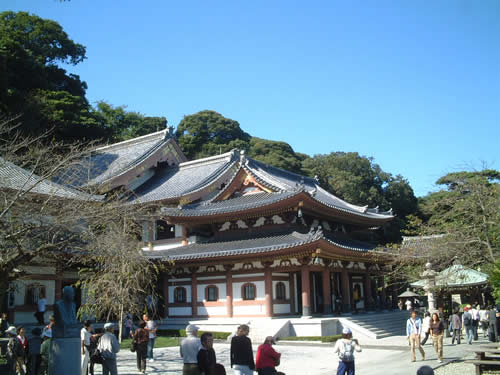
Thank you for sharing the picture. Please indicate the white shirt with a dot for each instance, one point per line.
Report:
(339, 346)
(85, 336)
(151, 325)
(475, 314)
(483, 314)
(190, 346)
(42, 302)
(108, 345)
(408, 305)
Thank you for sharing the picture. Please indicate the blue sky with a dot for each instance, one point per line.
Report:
(416, 85)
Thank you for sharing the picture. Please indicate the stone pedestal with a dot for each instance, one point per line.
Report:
(65, 356)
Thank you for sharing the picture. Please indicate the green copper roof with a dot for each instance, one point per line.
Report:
(456, 276)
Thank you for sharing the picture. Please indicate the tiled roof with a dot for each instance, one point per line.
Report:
(253, 245)
(110, 161)
(241, 203)
(184, 179)
(422, 243)
(17, 178)
(456, 276)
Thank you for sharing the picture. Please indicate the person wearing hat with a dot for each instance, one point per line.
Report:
(267, 358)
(190, 346)
(345, 348)
(467, 324)
(109, 346)
(13, 349)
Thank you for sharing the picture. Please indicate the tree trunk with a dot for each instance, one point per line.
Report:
(4, 290)
(120, 322)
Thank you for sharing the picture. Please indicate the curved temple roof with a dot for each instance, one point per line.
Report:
(264, 244)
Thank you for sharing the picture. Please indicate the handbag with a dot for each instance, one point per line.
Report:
(97, 357)
(133, 347)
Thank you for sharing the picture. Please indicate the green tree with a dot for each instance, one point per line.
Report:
(35, 86)
(208, 133)
(277, 154)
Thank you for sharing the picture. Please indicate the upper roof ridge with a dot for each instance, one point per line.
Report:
(229, 154)
(142, 138)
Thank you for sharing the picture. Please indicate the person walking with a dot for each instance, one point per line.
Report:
(475, 320)
(45, 351)
(267, 358)
(34, 346)
(13, 350)
(109, 346)
(141, 338)
(484, 320)
(467, 325)
(21, 355)
(456, 326)
(413, 332)
(207, 361)
(437, 332)
(426, 327)
(409, 305)
(492, 324)
(94, 341)
(151, 327)
(345, 348)
(190, 346)
(129, 324)
(241, 352)
(85, 336)
(40, 311)
(48, 327)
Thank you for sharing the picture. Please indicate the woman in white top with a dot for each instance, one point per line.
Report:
(345, 348)
(426, 327)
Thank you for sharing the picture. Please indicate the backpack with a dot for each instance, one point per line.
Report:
(467, 319)
(348, 354)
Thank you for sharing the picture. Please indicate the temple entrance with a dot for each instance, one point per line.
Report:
(298, 288)
(317, 303)
(358, 293)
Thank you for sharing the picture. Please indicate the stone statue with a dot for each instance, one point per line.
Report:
(66, 324)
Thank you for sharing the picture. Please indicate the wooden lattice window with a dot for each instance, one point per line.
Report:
(280, 291)
(212, 293)
(180, 295)
(248, 291)
(33, 293)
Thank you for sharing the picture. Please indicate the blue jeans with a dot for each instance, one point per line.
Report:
(242, 370)
(151, 344)
(345, 368)
(469, 333)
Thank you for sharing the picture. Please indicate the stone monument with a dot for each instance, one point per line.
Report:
(429, 276)
(66, 346)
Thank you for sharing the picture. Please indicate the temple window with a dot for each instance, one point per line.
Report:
(247, 266)
(248, 291)
(280, 291)
(180, 295)
(164, 230)
(33, 293)
(210, 268)
(212, 293)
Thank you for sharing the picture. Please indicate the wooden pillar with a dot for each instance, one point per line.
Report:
(165, 295)
(184, 235)
(194, 291)
(268, 282)
(368, 292)
(58, 291)
(306, 287)
(229, 290)
(383, 293)
(291, 283)
(327, 292)
(394, 292)
(346, 293)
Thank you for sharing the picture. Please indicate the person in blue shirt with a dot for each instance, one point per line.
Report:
(413, 332)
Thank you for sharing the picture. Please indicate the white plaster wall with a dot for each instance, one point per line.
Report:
(247, 275)
(171, 293)
(249, 310)
(172, 311)
(280, 274)
(20, 290)
(260, 290)
(175, 280)
(287, 288)
(212, 310)
(201, 292)
(28, 317)
(281, 308)
(239, 266)
(212, 278)
(40, 270)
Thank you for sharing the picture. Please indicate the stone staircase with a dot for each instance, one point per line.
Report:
(378, 325)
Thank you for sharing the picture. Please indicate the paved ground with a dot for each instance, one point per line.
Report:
(389, 356)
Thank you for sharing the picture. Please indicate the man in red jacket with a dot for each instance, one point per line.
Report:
(267, 358)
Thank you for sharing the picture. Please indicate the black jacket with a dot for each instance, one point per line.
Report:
(241, 352)
(207, 361)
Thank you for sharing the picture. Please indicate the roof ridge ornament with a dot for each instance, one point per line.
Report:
(243, 158)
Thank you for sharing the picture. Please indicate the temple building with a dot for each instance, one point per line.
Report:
(243, 238)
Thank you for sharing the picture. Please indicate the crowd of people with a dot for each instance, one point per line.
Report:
(436, 324)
